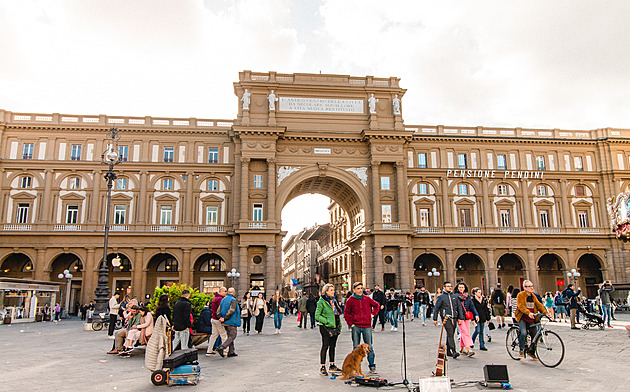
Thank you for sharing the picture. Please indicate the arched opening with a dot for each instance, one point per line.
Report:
(589, 267)
(210, 272)
(17, 265)
(550, 273)
(162, 270)
(469, 269)
(69, 295)
(511, 270)
(119, 275)
(423, 265)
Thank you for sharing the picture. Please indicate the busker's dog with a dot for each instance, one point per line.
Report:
(352, 364)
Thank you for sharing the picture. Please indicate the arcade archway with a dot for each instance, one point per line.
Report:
(120, 275)
(424, 264)
(209, 272)
(72, 263)
(511, 270)
(162, 270)
(550, 273)
(590, 268)
(17, 265)
(470, 269)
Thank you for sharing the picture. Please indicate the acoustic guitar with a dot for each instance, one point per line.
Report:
(441, 364)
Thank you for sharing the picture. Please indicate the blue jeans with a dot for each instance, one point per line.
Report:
(423, 315)
(392, 317)
(357, 332)
(526, 328)
(416, 310)
(606, 313)
(181, 336)
(277, 319)
(479, 329)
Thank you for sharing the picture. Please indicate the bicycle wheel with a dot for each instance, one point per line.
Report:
(511, 343)
(97, 325)
(549, 348)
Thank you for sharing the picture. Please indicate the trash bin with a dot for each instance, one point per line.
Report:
(7, 319)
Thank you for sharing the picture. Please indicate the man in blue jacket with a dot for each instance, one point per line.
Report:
(231, 319)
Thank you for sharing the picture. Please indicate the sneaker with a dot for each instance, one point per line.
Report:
(610, 326)
(373, 369)
(392, 328)
(382, 329)
(489, 338)
(395, 329)
(483, 349)
(470, 353)
(111, 337)
(521, 354)
(275, 332)
(113, 352)
(323, 371)
(232, 355)
(219, 351)
(124, 354)
(333, 368)
(455, 355)
(247, 333)
(424, 325)
(210, 354)
(532, 356)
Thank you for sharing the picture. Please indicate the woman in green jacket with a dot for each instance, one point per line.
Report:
(327, 315)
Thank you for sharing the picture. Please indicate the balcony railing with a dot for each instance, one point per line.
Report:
(67, 228)
(211, 229)
(469, 230)
(162, 228)
(17, 227)
(588, 231)
(118, 228)
(549, 231)
(257, 225)
(509, 230)
(391, 226)
(427, 230)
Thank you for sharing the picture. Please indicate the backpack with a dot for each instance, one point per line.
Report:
(564, 299)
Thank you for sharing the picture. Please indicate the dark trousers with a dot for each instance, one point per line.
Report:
(259, 321)
(329, 343)
(112, 324)
(246, 322)
(450, 326)
(303, 319)
(312, 319)
(229, 343)
(380, 316)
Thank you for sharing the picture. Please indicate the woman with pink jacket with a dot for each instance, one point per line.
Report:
(142, 331)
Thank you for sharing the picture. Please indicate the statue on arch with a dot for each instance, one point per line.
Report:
(272, 101)
(396, 103)
(372, 103)
(246, 100)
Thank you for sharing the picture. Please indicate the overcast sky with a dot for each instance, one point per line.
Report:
(547, 64)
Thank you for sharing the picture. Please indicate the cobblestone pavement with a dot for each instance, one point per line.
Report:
(62, 357)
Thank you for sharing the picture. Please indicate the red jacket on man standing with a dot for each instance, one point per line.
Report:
(359, 312)
(215, 306)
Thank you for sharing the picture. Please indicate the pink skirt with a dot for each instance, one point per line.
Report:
(464, 334)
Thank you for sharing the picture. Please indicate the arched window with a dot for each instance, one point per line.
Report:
(212, 263)
(169, 264)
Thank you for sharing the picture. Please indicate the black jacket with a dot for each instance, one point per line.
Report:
(482, 309)
(164, 310)
(423, 298)
(392, 303)
(498, 297)
(205, 321)
(181, 314)
(273, 305)
(448, 304)
(311, 304)
(379, 296)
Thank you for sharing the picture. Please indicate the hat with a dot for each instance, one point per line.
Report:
(355, 284)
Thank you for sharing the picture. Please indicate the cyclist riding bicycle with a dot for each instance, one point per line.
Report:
(527, 305)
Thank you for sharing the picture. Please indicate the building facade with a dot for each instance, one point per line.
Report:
(197, 197)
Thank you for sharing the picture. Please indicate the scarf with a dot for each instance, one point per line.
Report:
(462, 296)
(359, 297)
(333, 303)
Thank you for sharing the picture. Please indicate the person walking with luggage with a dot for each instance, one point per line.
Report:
(311, 306)
(303, 311)
(260, 311)
(605, 290)
(218, 330)
(498, 305)
(571, 296)
(481, 305)
(277, 308)
(230, 314)
(379, 296)
(182, 323)
(447, 304)
(327, 315)
(358, 313)
(247, 310)
(113, 314)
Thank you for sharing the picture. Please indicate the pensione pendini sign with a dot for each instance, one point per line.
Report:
(464, 173)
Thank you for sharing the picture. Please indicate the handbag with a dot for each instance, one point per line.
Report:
(469, 315)
(299, 318)
(281, 309)
(491, 326)
(244, 313)
(333, 331)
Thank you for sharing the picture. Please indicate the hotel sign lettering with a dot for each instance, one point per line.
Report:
(463, 173)
(322, 105)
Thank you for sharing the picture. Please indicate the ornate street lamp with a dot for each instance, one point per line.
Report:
(574, 275)
(111, 158)
(233, 275)
(434, 273)
(68, 276)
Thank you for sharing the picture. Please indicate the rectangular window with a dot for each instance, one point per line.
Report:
(213, 155)
(385, 183)
(167, 184)
(213, 185)
(501, 162)
(120, 215)
(505, 218)
(168, 154)
(463, 189)
(465, 217)
(542, 190)
(540, 163)
(22, 213)
(424, 218)
(121, 183)
(422, 161)
(75, 154)
(583, 219)
(579, 191)
(123, 153)
(544, 218)
(386, 213)
(258, 181)
(74, 183)
(26, 182)
(212, 214)
(27, 151)
(579, 166)
(72, 214)
(422, 189)
(461, 161)
(502, 189)
(258, 212)
(166, 215)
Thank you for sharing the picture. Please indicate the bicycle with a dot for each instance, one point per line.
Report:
(98, 324)
(548, 345)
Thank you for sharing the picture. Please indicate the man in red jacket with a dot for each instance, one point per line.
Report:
(358, 314)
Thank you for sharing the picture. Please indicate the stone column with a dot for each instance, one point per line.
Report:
(527, 208)
(142, 199)
(271, 190)
(406, 269)
(378, 267)
(185, 274)
(244, 263)
(245, 190)
(367, 262)
(493, 272)
(571, 262)
(566, 216)
(96, 197)
(446, 204)
(532, 269)
(87, 289)
(136, 280)
(487, 206)
(45, 207)
(376, 202)
(188, 207)
(38, 268)
(450, 267)
(403, 194)
(270, 271)
(140, 281)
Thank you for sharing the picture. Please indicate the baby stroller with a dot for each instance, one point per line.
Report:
(590, 319)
